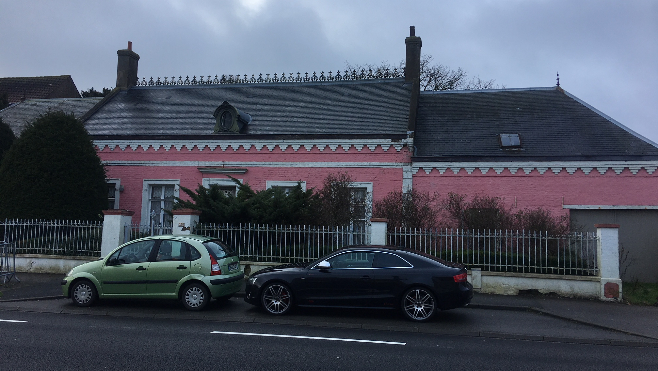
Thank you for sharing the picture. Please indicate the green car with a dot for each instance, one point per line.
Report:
(190, 268)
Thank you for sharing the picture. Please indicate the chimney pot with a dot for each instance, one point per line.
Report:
(412, 30)
(130, 45)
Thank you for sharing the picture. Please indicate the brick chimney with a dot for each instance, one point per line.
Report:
(127, 67)
(412, 74)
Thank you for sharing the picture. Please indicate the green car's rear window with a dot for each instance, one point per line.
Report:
(219, 249)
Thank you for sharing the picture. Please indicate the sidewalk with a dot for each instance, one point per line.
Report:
(628, 319)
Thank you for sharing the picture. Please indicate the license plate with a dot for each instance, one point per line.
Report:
(233, 267)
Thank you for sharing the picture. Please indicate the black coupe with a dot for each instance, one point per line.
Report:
(364, 277)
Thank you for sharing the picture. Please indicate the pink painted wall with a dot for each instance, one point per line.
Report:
(546, 190)
(384, 179)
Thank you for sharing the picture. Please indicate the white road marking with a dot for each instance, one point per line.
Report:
(308, 337)
(12, 321)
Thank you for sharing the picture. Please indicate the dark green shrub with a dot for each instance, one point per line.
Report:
(52, 172)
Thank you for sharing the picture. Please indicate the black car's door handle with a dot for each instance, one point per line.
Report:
(365, 277)
(140, 268)
(181, 267)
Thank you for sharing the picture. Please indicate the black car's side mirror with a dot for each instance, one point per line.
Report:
(323, 265)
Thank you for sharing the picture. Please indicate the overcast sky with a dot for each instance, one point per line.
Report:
(606, 52)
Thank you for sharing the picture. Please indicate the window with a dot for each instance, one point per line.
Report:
(387, 260)
(362, 210)
(113, 189)
(137, 252)
(228, 186)
(352, 260)
(157, 198)
(176, 250)
(510, 141)
(285, 185)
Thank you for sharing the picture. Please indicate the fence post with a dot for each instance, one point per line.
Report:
(608, 258)
(184, 221)
(378, 231)
(114, 222)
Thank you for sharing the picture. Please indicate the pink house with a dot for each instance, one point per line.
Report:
(536, 147)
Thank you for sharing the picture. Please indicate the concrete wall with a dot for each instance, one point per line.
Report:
(638, 239)
(36, 263)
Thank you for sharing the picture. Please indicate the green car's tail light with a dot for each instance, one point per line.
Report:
(215, 270)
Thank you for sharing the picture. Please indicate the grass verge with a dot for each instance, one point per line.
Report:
(638, 293)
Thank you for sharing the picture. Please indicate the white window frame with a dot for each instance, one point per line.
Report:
(368, 206)
(285, 184)
(146, 195)
(117, 190)
(207, 182)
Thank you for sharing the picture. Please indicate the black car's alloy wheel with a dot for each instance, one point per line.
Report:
(418, 304)
(83, 293)
(276, 298)
(195, 296)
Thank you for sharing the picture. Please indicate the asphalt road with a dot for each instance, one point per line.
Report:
(55, 341)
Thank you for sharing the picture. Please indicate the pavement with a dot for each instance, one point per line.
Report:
(632, 324)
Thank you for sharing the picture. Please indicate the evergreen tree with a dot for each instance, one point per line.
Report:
(52, 171)
(6, 138)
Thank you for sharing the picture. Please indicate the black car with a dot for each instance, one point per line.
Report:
(364, 277)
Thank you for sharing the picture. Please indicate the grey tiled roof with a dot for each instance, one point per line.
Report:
(40, 87)
(351, 107)
(552, 124)
(19, 114)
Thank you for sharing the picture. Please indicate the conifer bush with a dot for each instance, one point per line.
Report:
(52, 171)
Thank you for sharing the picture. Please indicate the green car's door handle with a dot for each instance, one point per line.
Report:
(181, 267)
(140, 268)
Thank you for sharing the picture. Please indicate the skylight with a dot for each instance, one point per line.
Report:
(508, 141)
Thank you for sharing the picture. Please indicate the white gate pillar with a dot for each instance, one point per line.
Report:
(114, 222)
(378, 231)
(608, 258)
(184, 221)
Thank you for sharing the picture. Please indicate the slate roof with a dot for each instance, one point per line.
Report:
(41, 87)
(19, 114)
(309, 108)
(552, 125)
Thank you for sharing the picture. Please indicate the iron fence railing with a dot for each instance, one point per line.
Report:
(284, 244)
(7, 261)
(135, 231)
(506, 251)
(53, 237)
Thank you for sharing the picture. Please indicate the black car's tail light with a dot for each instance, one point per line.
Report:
(461, 277)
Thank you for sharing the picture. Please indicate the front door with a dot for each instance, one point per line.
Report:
(125, 271)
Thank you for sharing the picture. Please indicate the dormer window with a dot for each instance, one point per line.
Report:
(510, 141)
(230, 119)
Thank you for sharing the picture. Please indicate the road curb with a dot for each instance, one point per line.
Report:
(555, 315)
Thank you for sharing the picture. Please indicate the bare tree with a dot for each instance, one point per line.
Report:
(435, 77)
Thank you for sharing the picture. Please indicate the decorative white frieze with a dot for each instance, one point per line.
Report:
(294, 145)
(556, 168)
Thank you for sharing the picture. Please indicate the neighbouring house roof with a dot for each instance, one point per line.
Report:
(20, 114)
(41, 87)
(551, 125)
(362, 107)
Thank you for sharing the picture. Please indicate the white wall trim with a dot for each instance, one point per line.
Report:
(525, 168)
(296, 164)
(610, 207)
(333, 145)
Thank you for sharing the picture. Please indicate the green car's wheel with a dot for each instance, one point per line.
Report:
(83, 293)
(195, 296)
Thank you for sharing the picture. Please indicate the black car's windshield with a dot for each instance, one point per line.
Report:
(219, 249)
